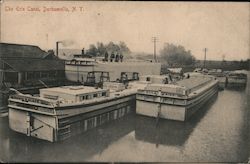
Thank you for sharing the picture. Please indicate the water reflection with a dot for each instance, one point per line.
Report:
(167, 132)
(3, 100)
(19, 148)
(236, 88)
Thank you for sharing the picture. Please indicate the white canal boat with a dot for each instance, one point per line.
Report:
(60, 112)
(237, 78)
(176, 101)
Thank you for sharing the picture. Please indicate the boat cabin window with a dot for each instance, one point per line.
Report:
(82, 98)
(93, 95)
(103, 93)
(88, 97)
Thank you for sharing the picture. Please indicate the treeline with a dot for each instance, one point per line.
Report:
(99, 49)
(176, 55)
(213, 64)
(224, 65)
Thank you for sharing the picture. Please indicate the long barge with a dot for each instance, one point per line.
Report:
(60, 112)
(177, 101)
(237, 78)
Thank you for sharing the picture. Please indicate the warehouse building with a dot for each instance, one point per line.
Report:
(28, 65)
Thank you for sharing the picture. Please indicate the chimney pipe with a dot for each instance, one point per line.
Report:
(83, 51)
(57, 48)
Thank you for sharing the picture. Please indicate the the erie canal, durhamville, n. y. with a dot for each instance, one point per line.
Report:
(220, 132)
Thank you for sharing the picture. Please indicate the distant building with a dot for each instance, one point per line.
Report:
(28, 65)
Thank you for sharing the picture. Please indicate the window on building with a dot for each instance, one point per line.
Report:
(30, 75)
(44, 74)
(37, 74)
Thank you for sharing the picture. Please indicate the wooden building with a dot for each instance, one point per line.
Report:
(28, 65)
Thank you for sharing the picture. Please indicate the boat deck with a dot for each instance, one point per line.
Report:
(193, 82)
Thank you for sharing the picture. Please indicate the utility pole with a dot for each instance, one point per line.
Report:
(205, 50)
(154, 40)
(223, 57)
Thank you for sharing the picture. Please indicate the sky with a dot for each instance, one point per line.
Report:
(221, 27)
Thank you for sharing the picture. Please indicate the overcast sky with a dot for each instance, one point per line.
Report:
(223, 28)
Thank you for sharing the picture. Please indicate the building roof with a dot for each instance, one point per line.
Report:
(8, 50)
(25, 65)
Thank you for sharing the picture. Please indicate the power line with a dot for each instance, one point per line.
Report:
(154, 40)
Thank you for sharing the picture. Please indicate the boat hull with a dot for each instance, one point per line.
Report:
(236, 81)
(68, 121)
(174, 112)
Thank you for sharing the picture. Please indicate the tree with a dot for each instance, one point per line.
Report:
(92, 50)
(176, 55)
(111, 47)
(124, 48)
(101, 49)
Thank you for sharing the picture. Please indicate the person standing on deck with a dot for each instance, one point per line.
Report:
(121, 57)
(112, 56)
(106, 56)
(117, 57)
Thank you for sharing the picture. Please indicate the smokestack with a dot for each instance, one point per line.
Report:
(57, 48)
(83, 51)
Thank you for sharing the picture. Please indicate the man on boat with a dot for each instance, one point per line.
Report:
(121, 57)
(117, 57)
(112, 57)
(106, 56)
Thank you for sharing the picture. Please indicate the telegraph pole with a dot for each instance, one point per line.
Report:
(205, 55)
(154, 40)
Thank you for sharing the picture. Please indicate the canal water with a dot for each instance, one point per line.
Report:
(219, 132)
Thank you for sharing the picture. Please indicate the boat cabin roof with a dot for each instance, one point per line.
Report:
(83, 59)
(73, 90)
(193, 81)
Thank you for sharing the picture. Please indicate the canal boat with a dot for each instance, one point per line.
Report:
(60, 112)
(176, 101)
(220, 76)
(237, 78)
